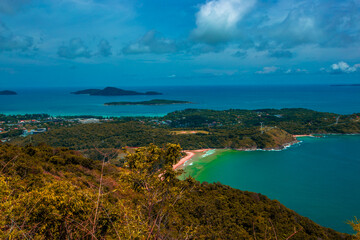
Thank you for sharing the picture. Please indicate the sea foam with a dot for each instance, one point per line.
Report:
(209, 152)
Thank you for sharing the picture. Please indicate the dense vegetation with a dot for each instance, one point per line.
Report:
(16, 118)
(292, 120)
(237, 129)
(56, 193)
(11, 133)
(137, 134)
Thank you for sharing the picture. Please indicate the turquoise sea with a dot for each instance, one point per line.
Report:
(59, 101)
(318, 178)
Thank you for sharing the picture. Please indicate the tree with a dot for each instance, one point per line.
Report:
(152, 175)
(355, 224)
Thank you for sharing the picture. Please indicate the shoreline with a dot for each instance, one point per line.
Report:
(189, 155)
(279, 148)
(320, 135)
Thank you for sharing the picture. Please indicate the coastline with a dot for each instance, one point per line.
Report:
(192, 153)
(319, 135)
(247, 167)
(189, 155)
(279, 148)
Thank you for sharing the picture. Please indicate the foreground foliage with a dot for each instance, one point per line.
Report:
(56, 193)
(355, 224)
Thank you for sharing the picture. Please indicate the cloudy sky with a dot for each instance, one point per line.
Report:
(187, 42)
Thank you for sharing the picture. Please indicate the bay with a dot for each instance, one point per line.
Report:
(318, 178)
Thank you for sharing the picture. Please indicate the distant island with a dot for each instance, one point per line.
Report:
(112, 91)
(151, 102)
(7, 92)
(345, 85)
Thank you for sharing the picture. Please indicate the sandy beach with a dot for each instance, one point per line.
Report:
(189, 154)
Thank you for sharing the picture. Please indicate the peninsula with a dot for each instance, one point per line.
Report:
(149, 103)
(113, 91)
(7, 92)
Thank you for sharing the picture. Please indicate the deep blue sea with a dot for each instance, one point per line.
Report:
(59, 101)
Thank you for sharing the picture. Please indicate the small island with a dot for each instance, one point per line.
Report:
(148, 103)
(7, 92)
(112, 91)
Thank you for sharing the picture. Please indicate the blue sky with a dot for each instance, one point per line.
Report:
(188, 42)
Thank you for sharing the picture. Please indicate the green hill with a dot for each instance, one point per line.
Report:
(56, 193)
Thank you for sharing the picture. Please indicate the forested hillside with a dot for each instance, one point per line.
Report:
(292, 120)
(196, 128)
(137, 134)
(56, 193)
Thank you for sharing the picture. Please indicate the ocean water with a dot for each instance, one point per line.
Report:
(59, 101)
(318, 178)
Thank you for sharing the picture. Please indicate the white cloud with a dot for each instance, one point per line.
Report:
(273, 69)
(12, 42)
(278, 26)
(240, 54)
(217, 20)
(343, 67)
(151, 42)
(298, 28)
(296, 71)
(267, 70)
(104, 48)
(74, 49)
